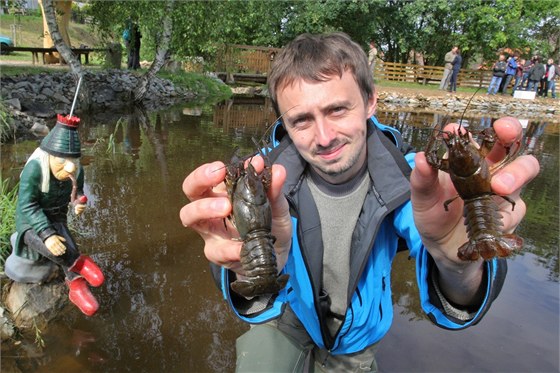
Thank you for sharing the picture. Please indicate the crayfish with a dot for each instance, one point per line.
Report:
(252, 216)
(471, 175)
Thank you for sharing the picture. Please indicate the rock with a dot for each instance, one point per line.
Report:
(14, 102)
(35, 305)
(39, 129)
(37, 109)
(7, 328)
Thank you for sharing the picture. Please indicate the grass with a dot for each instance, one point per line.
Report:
(30, 31)
(204, 86)
(30, 34)
(8, 200)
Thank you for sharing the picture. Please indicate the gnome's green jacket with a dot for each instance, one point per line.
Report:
(33, 205)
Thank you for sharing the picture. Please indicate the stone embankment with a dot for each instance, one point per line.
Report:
(429, 100)
(33, 98)
(481, 104)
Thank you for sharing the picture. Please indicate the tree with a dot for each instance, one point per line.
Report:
(164, 39)
(65, 50)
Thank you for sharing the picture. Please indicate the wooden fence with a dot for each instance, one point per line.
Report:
(429, 74)
(257, 114)
(245, 59)
(250, 60)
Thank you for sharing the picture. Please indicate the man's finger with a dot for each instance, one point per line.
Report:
(204, 209)
(515, 175)
(509, 133)
(200, 182)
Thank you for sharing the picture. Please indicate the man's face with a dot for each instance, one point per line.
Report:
(550, 61)
(502, 57)
(454, 49)
(327, 123)
(61, 168)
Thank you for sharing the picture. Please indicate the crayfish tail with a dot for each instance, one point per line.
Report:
(244, 288)
(468, 252)
(256, 286)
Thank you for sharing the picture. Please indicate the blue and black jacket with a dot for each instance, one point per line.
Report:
(385, 220)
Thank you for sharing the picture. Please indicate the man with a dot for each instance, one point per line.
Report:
(551, 73)
(372, 57)
(511, 70)
(498, 72)
(52, 179)
(536, 74)
(457, 62)
(448, 68)
(330, 157)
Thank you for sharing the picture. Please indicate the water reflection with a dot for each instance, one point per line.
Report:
(160, 310)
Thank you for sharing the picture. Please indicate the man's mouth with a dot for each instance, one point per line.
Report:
(332, 152)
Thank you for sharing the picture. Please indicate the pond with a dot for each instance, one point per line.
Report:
(160, 310)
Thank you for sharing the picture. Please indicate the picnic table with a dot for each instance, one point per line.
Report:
(35, 51)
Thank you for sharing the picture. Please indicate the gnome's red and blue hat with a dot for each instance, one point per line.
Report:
(63, 140)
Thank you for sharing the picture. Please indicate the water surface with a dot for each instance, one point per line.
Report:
(160, 310)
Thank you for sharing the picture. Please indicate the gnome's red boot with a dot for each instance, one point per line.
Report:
(86, 267)
(81, 296)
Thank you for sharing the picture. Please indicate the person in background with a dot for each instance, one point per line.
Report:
(536, 73)
(134, 47)
(518, 76)
(455, 73)
(526, 71)
(550, 78)
(343, 196)
(448, 68)
(498, 72)
(510, 72)
(52, 181)
(372, 57)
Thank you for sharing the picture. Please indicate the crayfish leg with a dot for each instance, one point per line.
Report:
(488, 141)
(448, 202)
(510, 201)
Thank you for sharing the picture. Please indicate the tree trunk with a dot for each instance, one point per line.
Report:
(164, 39)
(63, 12)
(65, 51)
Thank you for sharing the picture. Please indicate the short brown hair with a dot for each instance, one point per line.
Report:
(316, 58)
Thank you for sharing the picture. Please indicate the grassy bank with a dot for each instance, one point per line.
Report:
(30, 31)
(8, 199)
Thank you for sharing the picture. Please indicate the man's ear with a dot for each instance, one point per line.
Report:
(371, 106)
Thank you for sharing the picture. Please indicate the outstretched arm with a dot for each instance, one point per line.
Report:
(210, 205)
(443, 235)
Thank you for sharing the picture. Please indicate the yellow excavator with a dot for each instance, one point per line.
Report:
(63, 10)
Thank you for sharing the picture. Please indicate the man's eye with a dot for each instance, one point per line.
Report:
(338, 110)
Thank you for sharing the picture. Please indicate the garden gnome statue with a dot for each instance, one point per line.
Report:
(51, 182)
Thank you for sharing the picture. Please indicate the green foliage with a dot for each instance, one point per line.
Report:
(8, 201)
(6, 129)
(431, 27)
(203, 86)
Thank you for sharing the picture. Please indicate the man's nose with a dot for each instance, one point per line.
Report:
(324, 132)
(69, 167)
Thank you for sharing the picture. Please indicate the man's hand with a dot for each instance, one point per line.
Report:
(55, 244)
(443, 232)
(79, 208)
(210, 205)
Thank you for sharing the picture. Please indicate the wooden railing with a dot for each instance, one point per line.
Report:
(245, 59)
(429, 74)
(251, 60)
